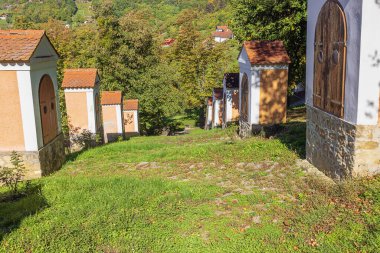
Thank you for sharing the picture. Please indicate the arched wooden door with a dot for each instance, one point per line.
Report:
(48, 109)
(330, 59)
(244, 98)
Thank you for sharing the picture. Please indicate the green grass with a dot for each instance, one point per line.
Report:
(193, 193)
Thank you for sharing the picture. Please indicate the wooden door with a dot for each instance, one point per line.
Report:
(330, 59)
(48, 109)
(244, 99)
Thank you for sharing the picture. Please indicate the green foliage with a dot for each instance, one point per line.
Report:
(275, 20)
(159, 98)
(12, 176)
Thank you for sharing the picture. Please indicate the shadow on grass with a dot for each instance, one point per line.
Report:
(74, 155)
(15, 208)
(293, 135)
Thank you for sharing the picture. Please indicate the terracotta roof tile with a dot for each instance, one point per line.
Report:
(218, 93)
(225, 33)
(19, 45)
(266, 52)
(79, 78)
(131, 104)
(111, 98)
(232, 80)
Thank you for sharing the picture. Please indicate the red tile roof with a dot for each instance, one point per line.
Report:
(225, 33)
(218, 93)
(79, 78)
(19, 45)
(266, 52)
(131, 105)
(111, 98)
(232, 80)
(168, 42)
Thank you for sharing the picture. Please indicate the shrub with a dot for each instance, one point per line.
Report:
(11, 176)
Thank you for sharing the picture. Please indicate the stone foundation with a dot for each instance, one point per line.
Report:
(245, 129)
(340, 149)
(40, 163)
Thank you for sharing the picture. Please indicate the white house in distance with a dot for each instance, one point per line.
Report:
(208, 123)
(82, 95)
(222, 33)
(217, 107)
(112, 115)
(342, 87)
(230, 98)
(29, 102)
(131, 117)
(263, 85)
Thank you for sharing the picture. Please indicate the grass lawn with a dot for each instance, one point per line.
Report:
(200, 192)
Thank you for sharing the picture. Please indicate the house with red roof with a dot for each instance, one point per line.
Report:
(131, 117)
(82, 96)
(222, 33)
(263, 85)
(29, 102)
(168, 42)
(113, 127)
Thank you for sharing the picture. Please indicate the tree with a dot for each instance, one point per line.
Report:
(159, 98)
(275, 20)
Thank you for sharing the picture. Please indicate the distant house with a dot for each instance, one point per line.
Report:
(208, 123)
(168, 42)
(131, 117)
(82, 95)
(112, 115)
(29, 102)
(230, 98)
(3, 16)
(263, 84)
(222, 33)
(217, 107)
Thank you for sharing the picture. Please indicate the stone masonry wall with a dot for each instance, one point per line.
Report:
(340, 149)
(52, 156)
(40, 163)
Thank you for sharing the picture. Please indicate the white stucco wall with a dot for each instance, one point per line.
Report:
(228, 104)
(363, 41)
(209, 115)
(245, 68)
(119, 119)
(216, 120)
(369, 74)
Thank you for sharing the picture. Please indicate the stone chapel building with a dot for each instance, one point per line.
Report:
(342, 87)
(29, 102)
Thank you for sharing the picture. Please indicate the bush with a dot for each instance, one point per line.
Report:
(11, 176)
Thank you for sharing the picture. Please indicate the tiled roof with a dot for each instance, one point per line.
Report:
(218, 93)
(232, 80)
(266, 52)
(131, 104)
(111, 98)
(19, 45)
(168, 42)
(225, 33)
(79, 78)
